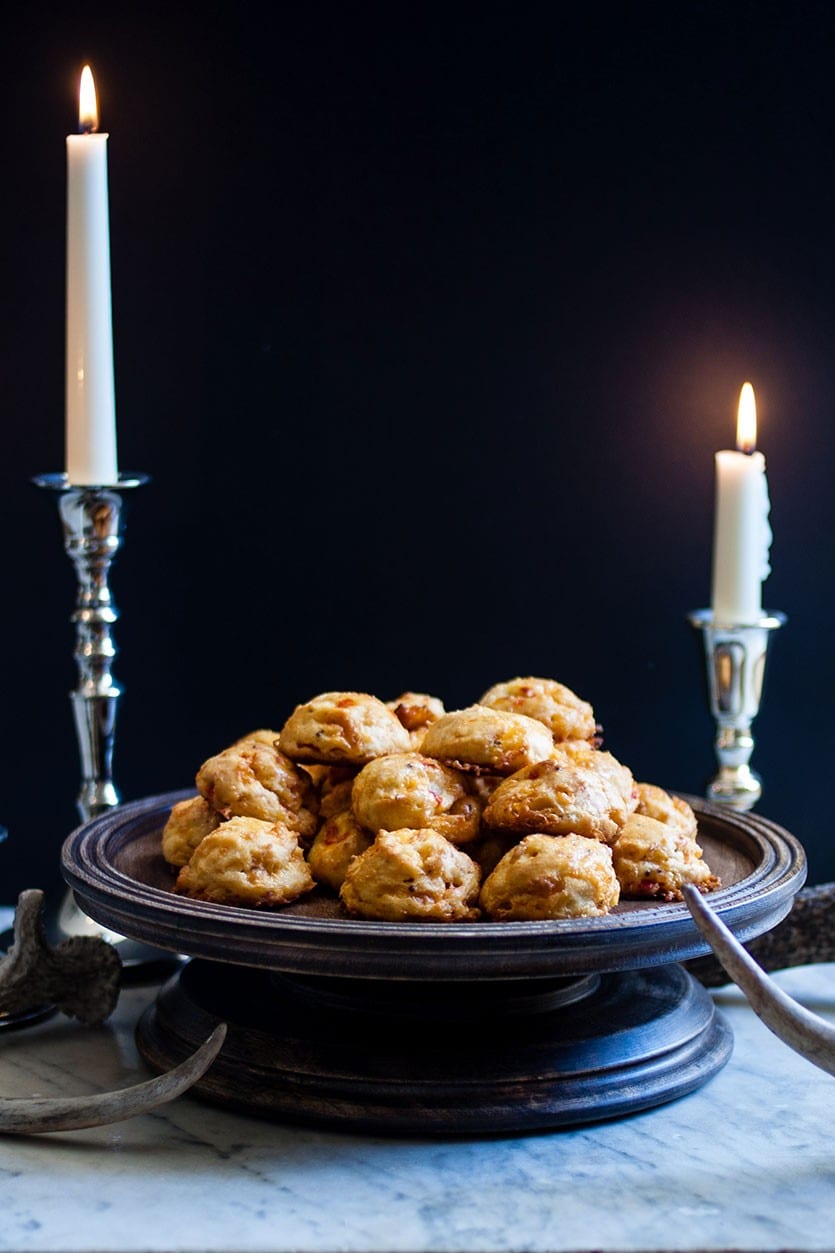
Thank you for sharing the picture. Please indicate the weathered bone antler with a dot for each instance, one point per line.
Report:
(26, 1115)
(806, 935)
(807, 1033)
(80, 976)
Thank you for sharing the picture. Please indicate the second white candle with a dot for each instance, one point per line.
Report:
(742, 535)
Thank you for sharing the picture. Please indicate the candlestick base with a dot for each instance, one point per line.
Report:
(735, 658)
(737, 786)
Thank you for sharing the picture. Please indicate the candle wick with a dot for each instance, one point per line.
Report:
(86, 127)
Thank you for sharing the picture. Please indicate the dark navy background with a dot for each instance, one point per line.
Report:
(428, 322)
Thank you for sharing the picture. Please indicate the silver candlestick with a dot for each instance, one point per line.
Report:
(735, 658)
(93, 523)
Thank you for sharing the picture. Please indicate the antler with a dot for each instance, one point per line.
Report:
(807, 1033)
(806, 935)
(80, 976)
(25, 1115)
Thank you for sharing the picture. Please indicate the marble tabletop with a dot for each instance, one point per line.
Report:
(744, 1163)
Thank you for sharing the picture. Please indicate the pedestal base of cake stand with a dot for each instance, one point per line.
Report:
(405, 1057)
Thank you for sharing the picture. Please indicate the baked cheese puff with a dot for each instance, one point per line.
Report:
(551, 799)
(490, 848)
(263, 735)
(337, 842)
(253, 779)
(654, 802)
(565, 715)
(546, 876)
(315, 773)
(654, 860)
(247, 861)
(409, 790)
(615, 777)
(188, 823)
(334, 797)
(412, 875)
(484, 785)
(416, 711)
(343, 728)
(333, 786)
(574, 752)
(487, 741)
(334, 775)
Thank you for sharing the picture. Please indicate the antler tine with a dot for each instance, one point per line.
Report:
(26, 1115)
(807, 1033)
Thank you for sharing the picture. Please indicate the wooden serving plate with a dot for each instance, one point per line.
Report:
(432, 1027)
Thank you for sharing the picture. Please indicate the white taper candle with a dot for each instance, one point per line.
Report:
(742, 534)
(90, 394)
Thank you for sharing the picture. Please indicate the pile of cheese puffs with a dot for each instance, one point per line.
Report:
(509, 809)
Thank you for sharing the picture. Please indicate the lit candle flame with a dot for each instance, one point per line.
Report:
(746, 421)
(88, 109)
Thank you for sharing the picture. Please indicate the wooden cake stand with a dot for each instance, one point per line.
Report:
(432, 1028)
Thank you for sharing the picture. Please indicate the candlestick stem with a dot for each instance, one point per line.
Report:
(735, 659)
(92, 519)
(93, 522)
